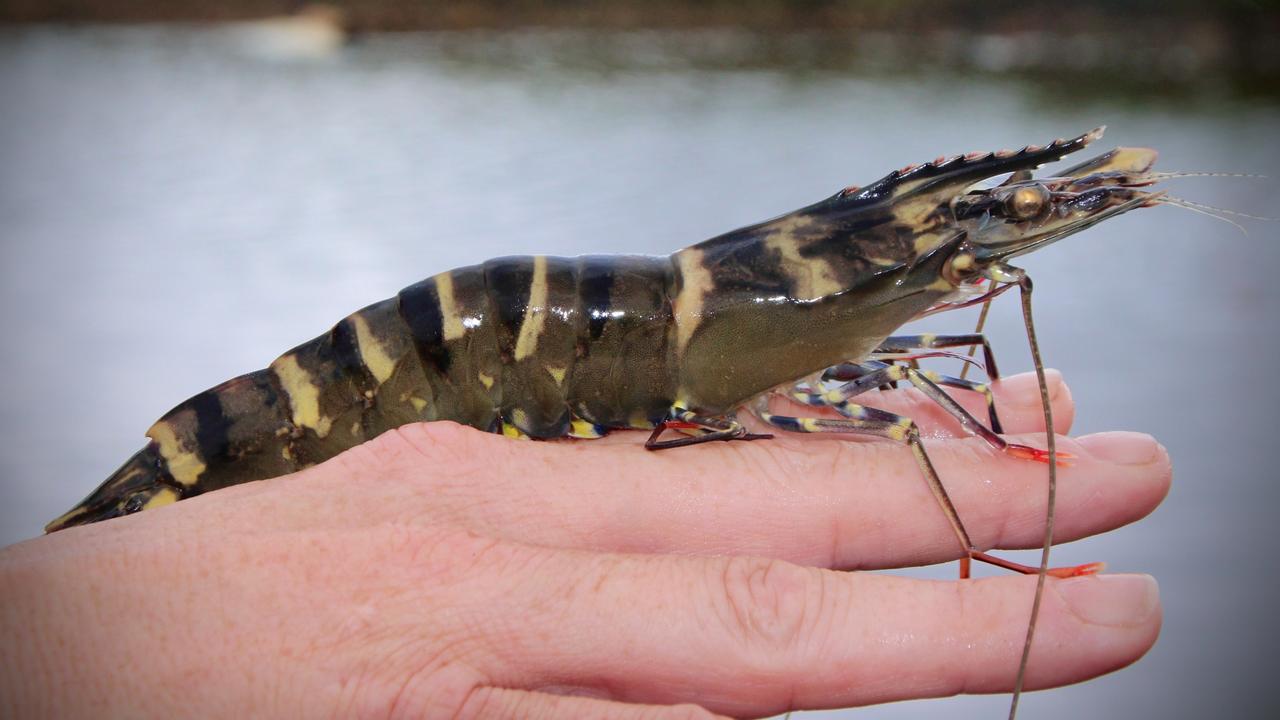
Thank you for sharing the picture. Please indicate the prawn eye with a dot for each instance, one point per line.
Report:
(1027, 202)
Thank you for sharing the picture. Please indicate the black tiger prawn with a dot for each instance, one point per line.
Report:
(545, 347)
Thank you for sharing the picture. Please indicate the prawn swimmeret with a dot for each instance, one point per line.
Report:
(804, 305)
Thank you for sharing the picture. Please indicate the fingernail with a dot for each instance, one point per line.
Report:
(1024, 390)
(1111, 600)
(1121, 447)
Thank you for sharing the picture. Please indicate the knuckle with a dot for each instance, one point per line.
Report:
(789, 461)
(436, 443)
(435, 688)
(484, 702)
(444, 555)
(770, 605)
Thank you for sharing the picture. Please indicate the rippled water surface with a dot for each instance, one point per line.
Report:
(177, 208)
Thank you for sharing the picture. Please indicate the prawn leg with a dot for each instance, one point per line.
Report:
(861, 420)
(908, 343)
(722, 428)
(912, 348)
(850, 371)
(874, 377)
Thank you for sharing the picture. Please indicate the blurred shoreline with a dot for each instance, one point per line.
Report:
(926, 15)
(1171, 48)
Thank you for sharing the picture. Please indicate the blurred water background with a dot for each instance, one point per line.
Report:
(180, 202)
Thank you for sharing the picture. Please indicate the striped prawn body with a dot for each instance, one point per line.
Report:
(534, 345)
(547, 347)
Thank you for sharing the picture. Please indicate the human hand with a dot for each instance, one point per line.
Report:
(442, 572)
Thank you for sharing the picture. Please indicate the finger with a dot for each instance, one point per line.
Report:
(1017, 399)
(1018, 403)
(1114, 479)
(749, 637)
(506, 703)
(825, 503)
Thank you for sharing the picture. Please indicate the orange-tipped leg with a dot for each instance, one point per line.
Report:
(1061, 572)
(1026, 452)
(699, 429)
(1092, 568)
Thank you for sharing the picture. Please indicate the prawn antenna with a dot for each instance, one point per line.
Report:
(1173, 175)
(1216, 213)
(1024, 287)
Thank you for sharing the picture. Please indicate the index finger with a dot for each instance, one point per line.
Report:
(751, 637)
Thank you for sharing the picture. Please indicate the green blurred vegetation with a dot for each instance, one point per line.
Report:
(390, 15)
(1142, 48)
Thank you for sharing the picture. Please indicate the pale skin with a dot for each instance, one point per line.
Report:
(442, 572)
